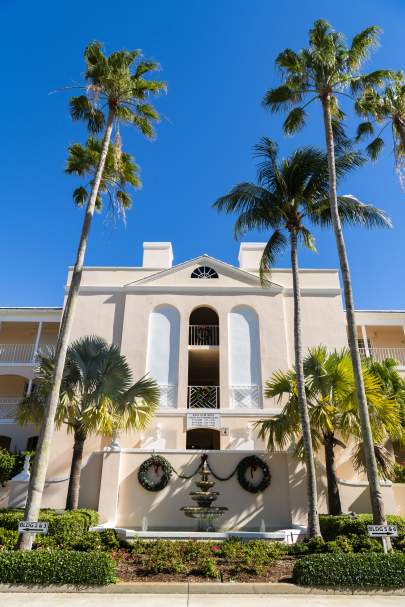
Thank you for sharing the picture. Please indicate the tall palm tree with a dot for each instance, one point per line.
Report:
(382, 109)
(290, 193)
(323, 71)
(97, 396)
(116, 92)
(333, 413)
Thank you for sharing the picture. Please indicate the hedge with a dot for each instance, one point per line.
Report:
(63, 525)
(332, 526)
(370, 570)
(56, 567)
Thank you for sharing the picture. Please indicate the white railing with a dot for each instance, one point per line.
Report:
(203, 335)
(379, 354)
(203, 397)
(168, 396)
(8, 407)
(20, 353)
(245, 397)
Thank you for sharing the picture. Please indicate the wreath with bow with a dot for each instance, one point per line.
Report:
(245, 472)
(158, 464)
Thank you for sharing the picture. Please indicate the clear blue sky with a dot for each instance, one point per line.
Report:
(218, 60)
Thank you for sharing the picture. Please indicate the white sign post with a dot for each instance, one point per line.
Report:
(32, 527)
(383, 531)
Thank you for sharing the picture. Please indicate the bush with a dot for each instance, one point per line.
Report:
(56, 567)
(7, 462)
(65, 526)
(347, 544)
(208, 567)
(332, 526)
(351, 570)
(398, 474)
(110, 540)
(8, 539)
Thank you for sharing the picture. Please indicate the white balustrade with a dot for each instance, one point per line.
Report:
(168, 396)
(203, 335)
(21, 353)
(203, 397)
(245, 397)
(380, 354)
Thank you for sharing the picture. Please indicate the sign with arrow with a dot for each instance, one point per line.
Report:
(32, 527)
(382, 530)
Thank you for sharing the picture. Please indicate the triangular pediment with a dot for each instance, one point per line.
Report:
(180, 275)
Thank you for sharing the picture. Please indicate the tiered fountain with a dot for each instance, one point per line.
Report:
(205, 512)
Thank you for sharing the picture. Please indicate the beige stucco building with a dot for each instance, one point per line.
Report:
(211, 336)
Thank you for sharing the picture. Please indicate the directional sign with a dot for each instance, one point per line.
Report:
(32, 527)
(382, 530)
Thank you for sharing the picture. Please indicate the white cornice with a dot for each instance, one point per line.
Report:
(30, 314)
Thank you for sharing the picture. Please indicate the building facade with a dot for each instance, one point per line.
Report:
(208, 333)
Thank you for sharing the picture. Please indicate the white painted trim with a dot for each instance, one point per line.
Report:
(314, 291)
(198, 451)
(30, 314)
(223, 412)
(365, 340)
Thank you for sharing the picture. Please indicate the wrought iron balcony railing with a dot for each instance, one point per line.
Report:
(379, 354)
(245, 397)
(203, 397)
(203, 335)
(8, 407)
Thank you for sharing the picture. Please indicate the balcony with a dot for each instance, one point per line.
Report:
(21, 354)
(245, 397)
(379, 354)
(203, 397)
(203, 335)
(8, 408)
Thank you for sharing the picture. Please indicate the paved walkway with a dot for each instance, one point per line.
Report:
(196, 600)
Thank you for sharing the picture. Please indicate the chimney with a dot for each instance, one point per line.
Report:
(250, 254)
(157, 255)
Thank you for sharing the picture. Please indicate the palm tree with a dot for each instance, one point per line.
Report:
(323, 71)
(289, 192)
(384, 109)
(97, 396)
(333, 413)
(119, 172)
(116, 92)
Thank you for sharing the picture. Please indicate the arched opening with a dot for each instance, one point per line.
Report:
(203, 438)
(32, 443)
(244, 358)
(203, 359)
(163, 352)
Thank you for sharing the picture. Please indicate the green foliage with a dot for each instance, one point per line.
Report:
(109, 539)
(351, 570)
(165, 557)
(65, 527)
(8, 539)
(7, 463)
(347, 544)
(56, 567)
(333, 526)
(398, 474)
(208, 567)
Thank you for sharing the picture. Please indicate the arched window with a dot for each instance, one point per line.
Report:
(204, 272)
(163, 352)
(244, 358)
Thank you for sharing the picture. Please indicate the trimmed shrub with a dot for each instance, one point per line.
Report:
(332, 526)
(56, 567)
(65, 526)
(110, 540)
(351, 570)
(8, 539)
(7, 463)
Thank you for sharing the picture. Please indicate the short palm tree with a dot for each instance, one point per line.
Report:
(384, 109)
(289, 194)
(333, 413)
(97, 396)
(116, 91)
(322, 72)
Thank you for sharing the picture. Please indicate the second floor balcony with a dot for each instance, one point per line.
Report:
(22, 354)
(203, 335)
(381, 353)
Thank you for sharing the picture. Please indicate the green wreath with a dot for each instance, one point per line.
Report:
(156, 462)
(252, 463)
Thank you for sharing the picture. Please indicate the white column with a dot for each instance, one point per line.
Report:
(365, 340)
(37, 338)
(29, 388)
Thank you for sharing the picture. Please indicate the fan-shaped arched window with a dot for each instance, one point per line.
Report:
(204, 272)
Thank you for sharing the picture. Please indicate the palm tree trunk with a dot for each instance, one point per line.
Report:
(37, 481)
(334, 504)
(377, 505)
(312, 494)
(72, 499)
